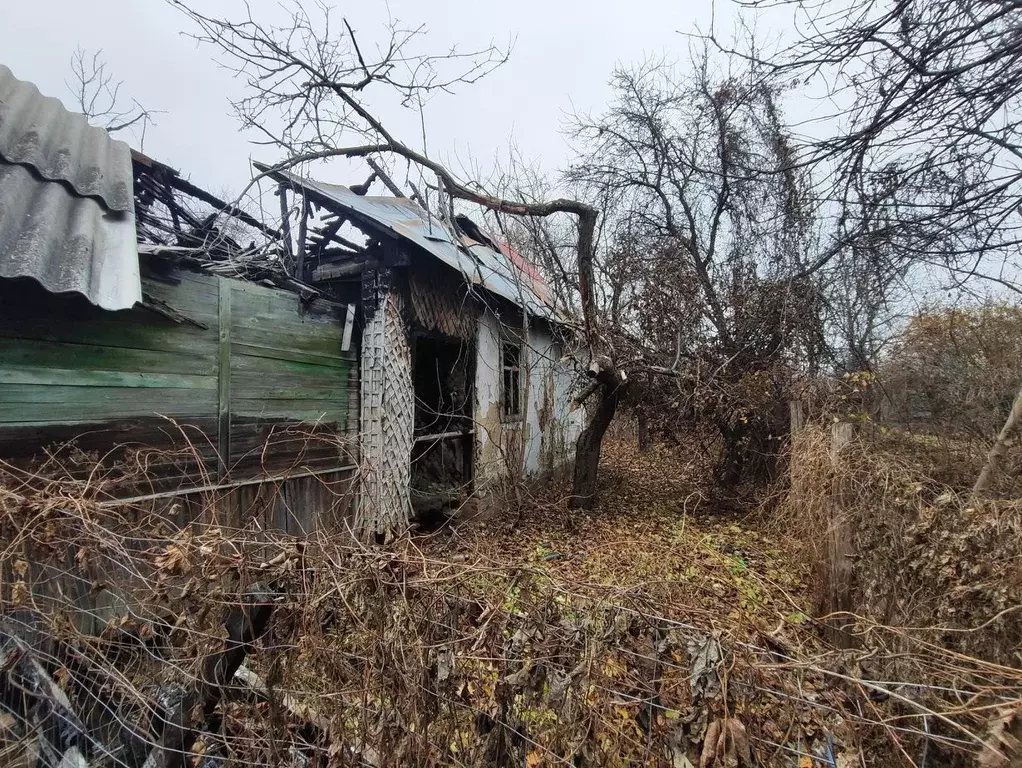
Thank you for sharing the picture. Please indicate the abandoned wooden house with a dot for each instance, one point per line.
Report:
(305, 378)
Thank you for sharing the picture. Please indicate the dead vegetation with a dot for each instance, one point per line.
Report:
(649, 632)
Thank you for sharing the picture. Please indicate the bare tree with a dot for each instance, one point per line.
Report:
(925, 150)
(927, 153)
(308, 81)
(698, 170)
(865, 292)
(98, 96)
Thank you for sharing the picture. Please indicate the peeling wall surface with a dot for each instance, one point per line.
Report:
(542, 441)
(388, 413)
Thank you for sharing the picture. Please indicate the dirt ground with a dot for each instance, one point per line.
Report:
(655, 533)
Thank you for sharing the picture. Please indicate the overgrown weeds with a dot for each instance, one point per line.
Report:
(650, 632)
(935, 584)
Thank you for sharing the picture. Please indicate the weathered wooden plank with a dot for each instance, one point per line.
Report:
(269, 350)
(224, 379)
(293, 410)
(303, 341)
(283, 386)
(131, 333)
(153, 399)
(78, 377)
(290, 312)
(153, 431)
(251, 297)
(255, 365)
(69, 411)
(192, 294)
(55, 354)
(349, 323)
(253, 444)
(72, 414)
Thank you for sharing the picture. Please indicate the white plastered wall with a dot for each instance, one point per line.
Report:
(542, 442)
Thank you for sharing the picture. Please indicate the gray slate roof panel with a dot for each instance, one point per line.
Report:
(65, 242)
(37, 131)
(67, 216)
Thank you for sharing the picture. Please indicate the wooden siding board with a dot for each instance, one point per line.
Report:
(136, 401)
(268, 351)
(287, 342)
(193, 294)
(48, 376)
(85, 356)
(245, 363)
(325, 412)
(268, 374)
(276, 387)
(129, 333)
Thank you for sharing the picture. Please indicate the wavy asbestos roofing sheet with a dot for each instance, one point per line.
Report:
(498, 272)
(37, 131)
(66, 200)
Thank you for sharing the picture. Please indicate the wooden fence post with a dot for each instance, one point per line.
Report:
(797, 420)
(840, 549)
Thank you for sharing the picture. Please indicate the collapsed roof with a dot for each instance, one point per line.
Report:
(501, 271)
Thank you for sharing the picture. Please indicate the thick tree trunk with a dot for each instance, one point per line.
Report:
(590, 441)
(1006, 438)
(645, 436)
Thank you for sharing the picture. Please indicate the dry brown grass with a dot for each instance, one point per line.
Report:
(635, 635)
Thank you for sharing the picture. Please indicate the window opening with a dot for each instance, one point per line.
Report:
(511, 367)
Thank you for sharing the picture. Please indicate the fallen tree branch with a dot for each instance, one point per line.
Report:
(1005, 439)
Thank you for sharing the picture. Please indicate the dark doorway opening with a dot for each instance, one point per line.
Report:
(443, 369)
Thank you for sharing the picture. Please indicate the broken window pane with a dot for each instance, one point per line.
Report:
(511, 393)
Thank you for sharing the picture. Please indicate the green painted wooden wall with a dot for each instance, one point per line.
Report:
(264, 374)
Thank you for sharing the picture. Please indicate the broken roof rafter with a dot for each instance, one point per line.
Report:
(174, 179)
(498, 271)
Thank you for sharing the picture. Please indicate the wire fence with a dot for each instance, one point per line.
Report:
(128, 641)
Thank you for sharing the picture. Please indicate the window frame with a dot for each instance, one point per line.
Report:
(510, 414)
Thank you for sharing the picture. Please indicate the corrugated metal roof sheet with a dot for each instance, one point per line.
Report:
(480, 264)
(66, 200)
(67, 243)
(37, 130)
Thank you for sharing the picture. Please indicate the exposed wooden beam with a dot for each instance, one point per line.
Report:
(285, 224)
(303, 228)
(344, 269)
(198, 193)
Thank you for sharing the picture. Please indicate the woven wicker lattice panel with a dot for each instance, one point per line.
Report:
(388, 413)
(441, 303)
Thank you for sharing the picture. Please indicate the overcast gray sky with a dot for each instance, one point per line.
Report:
(563, 54)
